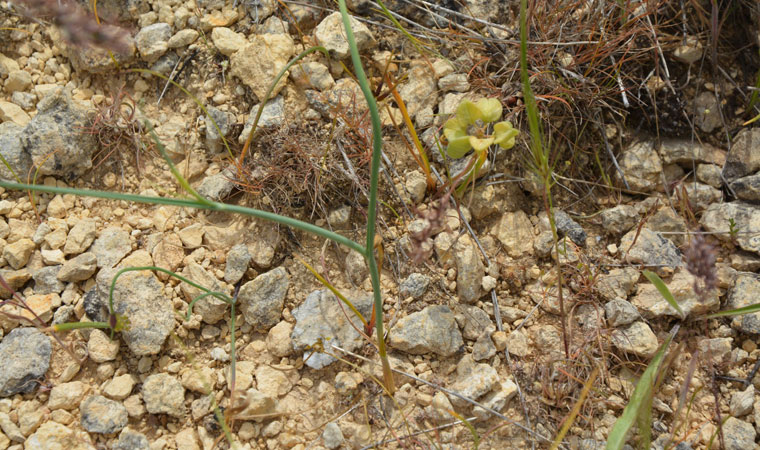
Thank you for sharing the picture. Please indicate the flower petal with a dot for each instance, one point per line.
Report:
(490, 109)
(458, 147)
(504, 134)
(480, 145)
(468, 113)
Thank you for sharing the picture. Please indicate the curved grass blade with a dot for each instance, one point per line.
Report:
(734, 312)
(663, 289)
(641, 398)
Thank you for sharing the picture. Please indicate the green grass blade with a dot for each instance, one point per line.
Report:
(663, 289)
(734, 312)
(641, 397)
(213, 206)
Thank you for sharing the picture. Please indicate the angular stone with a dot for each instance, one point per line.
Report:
(470, 269)
(78, 268)
(619, 312)
(641, 166)
(54, 149)
(637, 338)
(164, 394)
(101, 415)
(432, 330)
(746, 218)
(111, 246)
(320, 320)
(80, 237)
(25, 353)
(211, 309)
(258, 63)
(261, 300)
(331, 34)
(650, 248)
(651, 304)
(139, 296)
(744, 157)
(745, 292)
(515, 232)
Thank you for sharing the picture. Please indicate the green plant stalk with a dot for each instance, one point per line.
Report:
(187, 203)
(68, 326)
(368, 251)
(540, 162)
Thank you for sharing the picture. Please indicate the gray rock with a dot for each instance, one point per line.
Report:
(131, 440)
(618, 283)
(620, 312)
(165, 63)
(687, 152)
(63, 314)
(224, 121)
(619, 219)
(497, 399)
(80, 237)
(515, 232)
(738, 435)
(747, 188)
(97, 60)
(484, 348)
(746, 217)
(272, 117)
(470, 269)
(707, 112)
(111, 246)
(339, 217)
(153, 41)
(651, 249)
(743, 159)
(139, 296)
(346, 93)
(331, 35)
(12, 149)
(321, 320)
(745, 292)
(261, 300)
(101, 415)
(742, 402)
(651, 304)
(164, 394)
(25, 353)
(701, 195)
(414, 285)
(312, 75)
(717, 348)
(238, 259)
(420, 91)
(256, 68)
(667, 220)
(332, 436)
(25, 100)
(641, 166)
(48, 138)
(710, 174)
(46, 280)
(356, 267)
(473, 383)
(432, 330)
(78, 268)
(570, 228)
(473, 321)
(218, 186)
(636, 338)
(210, 308)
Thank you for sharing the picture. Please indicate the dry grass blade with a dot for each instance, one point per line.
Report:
(576, 409)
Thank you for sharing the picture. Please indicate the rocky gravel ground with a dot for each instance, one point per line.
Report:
(477, 321)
